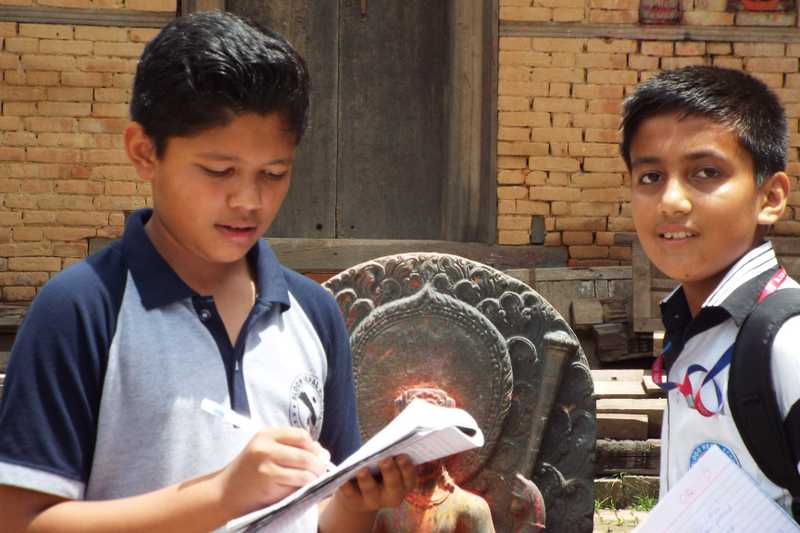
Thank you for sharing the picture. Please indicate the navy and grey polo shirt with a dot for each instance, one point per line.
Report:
(102, 397)
(702, 340)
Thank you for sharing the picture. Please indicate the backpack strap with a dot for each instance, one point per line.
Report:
(751, 394)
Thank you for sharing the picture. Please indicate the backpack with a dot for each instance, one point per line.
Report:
(751, 394)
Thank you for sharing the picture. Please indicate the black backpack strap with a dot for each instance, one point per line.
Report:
(751, 394)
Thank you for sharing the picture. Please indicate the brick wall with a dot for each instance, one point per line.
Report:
(64, 176)
(558, 115)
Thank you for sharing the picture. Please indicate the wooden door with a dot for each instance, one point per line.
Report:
(373, 161)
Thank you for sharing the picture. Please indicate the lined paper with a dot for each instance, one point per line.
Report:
(717, 496)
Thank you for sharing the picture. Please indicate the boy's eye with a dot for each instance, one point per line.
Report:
(648, 178)
(217, 173)
(708, 172)
(275, 176)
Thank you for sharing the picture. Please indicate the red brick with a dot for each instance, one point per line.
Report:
(514, 222)
(69, 234)
(577, 237)
(45, 31)
(581, 223)
(522, 148)
(554, 163)
(588, 252)
(528, 207)
(512, 193)
(18, 294)
(510, 237)
(24, 233)
(611, 45)
(34, 264)
(530, 14)
(510, 177)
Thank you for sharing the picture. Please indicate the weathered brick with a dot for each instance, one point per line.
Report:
(528, 207)
(690, 48)
(103, 110)
(510, 237)
(590, 91)
(555, 135)
(793, 49)
(657, 48)
(61, 109)
(549, 194)
(23, 279)
(102, 64)
(590, 209)
(71, 249)
(102, 125)
(563, 105)
(604, 238)
(8, 185)
(25, 249)
(577, 237)
(18, 294)
(69, 94)
(614, 77)
(562, 120)
(556, 3)
(514, 222)
(568, 14)
(34, 264)
(530, 14)
(25, 233)
(11, 154)
(669, 63)
(552, 239)
(512, 193)
(530, 119)
(522, 88)
(729, 62)
(596, 121)
(506, 206)
(100, 33)
(619, 252)
(606, 61)
(522, 148)
(121, 188)
(605, 106)
(620, 224)
(123, 81)
(52, 124)
(560, 89)
(8, 29)
(771, 64)
(614, 17)
(719, 48)
(614, 4)
(515, 43)
(535, 177)
(606, 195)
(549, 44)
(559, 149)
(21, 94)
(504, 103)
(56, 47)
(570, 75)
(586, 252)
(39, 217)
(581, 223)
(611, 45)
(47, 62)
(69, 233)
(18, 138)
(604, 164)
(707, 18)
(513, 134)
(10, 218)
(561, 164)
(142, 35)
(773, 80)
(511, 162)
(86, 79)
(104, 156)
(116, 49)
(22, 45)
(593, 149)
(510, 177)
(45, 31)
(151, 5)
(9, 61)
(525, 58)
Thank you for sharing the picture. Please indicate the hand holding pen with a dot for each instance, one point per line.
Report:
(273, 464)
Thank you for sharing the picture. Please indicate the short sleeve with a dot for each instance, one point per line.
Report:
(49, 408)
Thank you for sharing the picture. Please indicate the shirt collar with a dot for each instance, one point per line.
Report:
(159, 285)
(735, 296)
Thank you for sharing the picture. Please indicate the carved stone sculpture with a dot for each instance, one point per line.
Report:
(438, 505)
(502, 353)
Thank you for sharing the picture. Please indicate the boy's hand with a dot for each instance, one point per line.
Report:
(366, 493)
(275, 463)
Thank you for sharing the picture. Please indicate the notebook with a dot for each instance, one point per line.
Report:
(717, 496)
(424, 431)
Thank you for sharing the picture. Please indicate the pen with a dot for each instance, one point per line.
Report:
(236, 420)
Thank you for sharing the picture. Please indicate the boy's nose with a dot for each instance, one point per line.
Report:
(246, 194)
(674, 200)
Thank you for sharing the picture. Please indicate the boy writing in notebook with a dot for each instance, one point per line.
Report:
(706, 149)
(100, 424)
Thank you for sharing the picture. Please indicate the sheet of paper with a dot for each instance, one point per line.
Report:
(423, 431)
(716, 496)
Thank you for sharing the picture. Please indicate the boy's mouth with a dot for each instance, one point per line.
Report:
(676, 235)
(237, 228)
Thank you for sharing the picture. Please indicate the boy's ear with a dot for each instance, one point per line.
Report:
(773, 195)
(141, 150)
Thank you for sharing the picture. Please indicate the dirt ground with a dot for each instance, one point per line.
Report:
(622, 521)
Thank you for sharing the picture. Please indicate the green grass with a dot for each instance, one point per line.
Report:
(643, 503)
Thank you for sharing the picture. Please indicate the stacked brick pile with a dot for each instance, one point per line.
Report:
(560, 179)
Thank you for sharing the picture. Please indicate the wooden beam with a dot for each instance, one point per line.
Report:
(580, 274)
(650, 33)
(85, 17)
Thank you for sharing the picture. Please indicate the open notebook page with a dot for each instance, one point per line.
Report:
(422, 430)
(717, 496)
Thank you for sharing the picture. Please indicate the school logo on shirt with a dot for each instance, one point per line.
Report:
(306, 407)
(703, 447)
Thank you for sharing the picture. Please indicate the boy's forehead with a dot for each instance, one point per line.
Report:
(670, 132)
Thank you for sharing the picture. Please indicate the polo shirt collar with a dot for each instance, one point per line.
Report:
(735, 297)
(159, 285)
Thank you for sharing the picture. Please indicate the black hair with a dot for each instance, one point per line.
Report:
(204, 69)
(729, 97)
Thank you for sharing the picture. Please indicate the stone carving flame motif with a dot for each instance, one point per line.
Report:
(503, 353)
